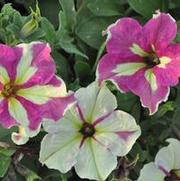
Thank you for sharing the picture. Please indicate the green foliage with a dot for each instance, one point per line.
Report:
(73, 28)
(147, 8)
(106, 8)
(5, 159)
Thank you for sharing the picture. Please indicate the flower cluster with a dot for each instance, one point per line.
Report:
(84, 129)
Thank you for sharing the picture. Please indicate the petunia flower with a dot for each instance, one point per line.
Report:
(90, 136)
(166, 166)
(142, 59)
(29, 89)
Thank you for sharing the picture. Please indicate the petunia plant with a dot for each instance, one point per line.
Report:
(70, 97)
(90, 136)
(166, 166)
(142, 59)
(29, 89)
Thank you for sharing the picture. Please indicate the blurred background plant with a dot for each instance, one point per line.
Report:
(74, 28)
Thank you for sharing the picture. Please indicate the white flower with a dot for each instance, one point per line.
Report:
(166, 165)
(90, 136)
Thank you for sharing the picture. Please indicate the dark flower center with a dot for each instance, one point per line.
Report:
(87, 130)
(172, 177)
(9, 90)
(152, 60)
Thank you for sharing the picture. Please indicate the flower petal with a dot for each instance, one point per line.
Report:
(100, 101)
(151, 79)
(165, 159)
(70, 122)
(38, 67)
(175, 146)
(17, 111)
(24, 71)
(160, 30)
(1, 97)
(150, 91)
(62, 102)
(122, 35)
(146, 86)
(34, 112)
(4, 77)
(108, 66)
(49, 98)
(57, 107)
(127, 69)
(9, 58)
(168, 157)
(94, 161)
(118, 132)
(6, 119)
(24, 134)
(65, 141)
(41, 94)
(62, 153)
(150, 171)
(169, 75)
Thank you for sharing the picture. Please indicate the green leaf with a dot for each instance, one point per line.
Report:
(32, 176)
(75, 85)
(5, 160)
(68, 8)
(146, 7)
(99, 54)
(50, 10)
(142, 154)
(126, 101)
(136, 110)
(37, 35)
(62, 65)
(125, 179)
(48, 28)
(71, 48)
(177, 39)
(65, 41)
(163, 109)
(5, 134)
(82, 69)
(10, 25)
(105, 7)
(89, 27)
(62, 32)
(24, 171)
(174, 4)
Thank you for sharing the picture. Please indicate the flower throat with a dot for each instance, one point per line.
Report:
(87, 130)
(10, 90)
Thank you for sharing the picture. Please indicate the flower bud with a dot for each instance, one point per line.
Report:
(32, 25)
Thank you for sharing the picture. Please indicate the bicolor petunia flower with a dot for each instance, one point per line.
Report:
(142, 59)
(90, 136)
(29, 89)
(166, 166)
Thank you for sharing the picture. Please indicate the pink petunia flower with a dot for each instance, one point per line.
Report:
(142, 60)
(29, 89)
